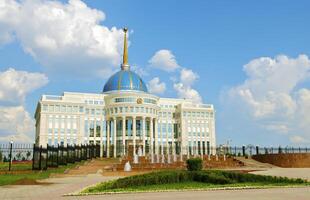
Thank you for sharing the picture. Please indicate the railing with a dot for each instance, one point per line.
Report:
(51, 156)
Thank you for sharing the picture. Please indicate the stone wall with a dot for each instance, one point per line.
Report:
(290, 160)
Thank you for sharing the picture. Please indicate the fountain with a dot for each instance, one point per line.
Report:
(140, 153)
(127, 167)
(168, 158)
(135, 159)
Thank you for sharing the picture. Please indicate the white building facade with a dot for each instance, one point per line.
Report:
(125, 119)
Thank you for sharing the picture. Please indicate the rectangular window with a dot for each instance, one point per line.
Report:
(63, 108)
(75, 109)
(98, 128)
(81, 109)
(45, 107)
(69, 109)
(91, 128)
(57, 108)
(51, 108)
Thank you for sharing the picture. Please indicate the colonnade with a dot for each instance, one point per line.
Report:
(113, 137)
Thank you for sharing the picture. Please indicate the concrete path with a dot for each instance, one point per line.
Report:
(54, 190)
(257, 194)
(303, 173)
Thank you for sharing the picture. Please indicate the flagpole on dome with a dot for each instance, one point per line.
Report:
(125, 65)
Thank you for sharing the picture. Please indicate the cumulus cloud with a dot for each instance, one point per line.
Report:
(272, 95)
(66, 38)
(187, 92)
(183, 86)
(164, 60)
(15, 85)
(15, 122)
(183, 83)
(156, 87)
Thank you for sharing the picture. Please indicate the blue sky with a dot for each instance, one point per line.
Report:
(213, 40)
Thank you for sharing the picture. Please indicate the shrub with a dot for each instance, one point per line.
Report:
(194, 164)
(182, 176)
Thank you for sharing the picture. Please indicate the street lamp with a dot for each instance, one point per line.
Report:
(11, 146)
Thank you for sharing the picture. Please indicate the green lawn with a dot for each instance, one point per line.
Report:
(6, 179)
(4, 166)
(184, 180)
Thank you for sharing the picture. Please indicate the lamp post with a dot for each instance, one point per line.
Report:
(11, 146)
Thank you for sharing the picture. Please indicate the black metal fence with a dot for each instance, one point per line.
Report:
(27, 156)
(52, 156)
(256, 150)
(12, 153)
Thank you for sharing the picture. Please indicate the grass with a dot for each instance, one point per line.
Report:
(183, 180)
(4, 166)
(7, 179)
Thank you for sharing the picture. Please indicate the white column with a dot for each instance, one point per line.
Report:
(151, 135)
(206, 136)
(172, 140)
(134, 134)
(143, 134)
(156, 137)
(101, 138)
(200, 138)
(108, 138)
(161, 139)
(167, 138)
(124, 134)
(114, 139)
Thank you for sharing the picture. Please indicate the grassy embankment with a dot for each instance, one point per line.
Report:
(23, 171)
(191, 180)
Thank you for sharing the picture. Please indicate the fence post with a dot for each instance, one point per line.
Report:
(243, 150)
(40, 157)
(34, 146)
(46, 155)
(11, 147)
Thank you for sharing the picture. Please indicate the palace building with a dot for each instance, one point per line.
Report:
(125, 119)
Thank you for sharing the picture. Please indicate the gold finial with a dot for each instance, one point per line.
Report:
(125, 64)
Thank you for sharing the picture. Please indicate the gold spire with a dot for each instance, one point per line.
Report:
(125, 65)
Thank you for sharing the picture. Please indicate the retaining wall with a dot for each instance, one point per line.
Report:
(290, 160)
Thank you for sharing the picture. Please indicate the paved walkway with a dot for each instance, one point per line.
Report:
(55, 190)
(257, 194)
(303, 173)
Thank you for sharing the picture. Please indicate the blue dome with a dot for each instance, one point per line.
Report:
(125, 80)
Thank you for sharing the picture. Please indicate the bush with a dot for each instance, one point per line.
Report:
(194, 164)
(215, 177)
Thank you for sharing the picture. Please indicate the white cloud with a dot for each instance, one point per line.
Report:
(188, 77)
(15, 122)
(164, 60)
(66, 38)
(15, 85)
(184, 86)
(187, 92)
(156, 87)
(271, 95)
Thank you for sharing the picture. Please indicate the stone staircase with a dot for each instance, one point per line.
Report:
(221, 162)
(93, 166)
